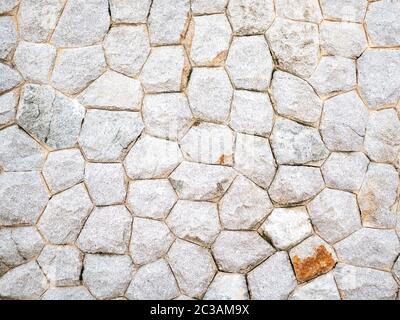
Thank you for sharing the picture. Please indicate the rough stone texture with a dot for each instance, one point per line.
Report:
(150, 240)
(396, 269)
(382, 139)
(227, 286)
(347, 10)
(105, 135)
(372, 248)
(195, 221)
(286, 227)
(265, 285)
(209, 143)
(343, 123)
(3, 268)
(210, 94)
(249, 63)
(151, 198)
(378, 196)
(168, 21)
(127, 93)
(35, 110)
(166, 69)
(51, 117)
(244, 205)
(193, 266)
(312, 258)
(8, 107)
(254, 159)
(63, 169)
(345, 171)
(298, 51)
(22, 198)
(65, 215)
(19, 245)
(9, 78)
(8, 5)
(306, 10)
(208, 7)
(127, 48)
(343, 39)
(153, 281)
(23, 282)
(67, 293)
(193, 181)
(240, 251)
(127, 11)
(107, 276)
(199, 149)
(152, 158)
(321, 288)
(105, 183)
(295, 98)
(18, 151)
(8, 36)
(38, 18)
(295, 184)
(383, 23)
(357, 283)
(107, 230)
(83, 23)
(294, 143)
(167, 115)
(250, 16)
(334, 74)
(76, 68)
(252, 113)
(334, 214)
(35, 61)
(374, 68)
(61, 264)
(208, 39)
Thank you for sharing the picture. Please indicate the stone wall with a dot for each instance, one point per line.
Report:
(203, 149)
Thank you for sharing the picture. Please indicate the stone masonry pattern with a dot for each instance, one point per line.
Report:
(199, 149)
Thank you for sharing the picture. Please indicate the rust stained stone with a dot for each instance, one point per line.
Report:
(225, 159)
(308, 268)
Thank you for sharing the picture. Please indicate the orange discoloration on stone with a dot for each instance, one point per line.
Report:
(310, 267)
(187, 39)
(370, 205)
(219, 58)
(221, 159)
(224, 159)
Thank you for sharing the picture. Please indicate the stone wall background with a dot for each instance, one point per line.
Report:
(206, 149)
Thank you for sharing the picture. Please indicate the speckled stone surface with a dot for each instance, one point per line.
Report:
(199, 149)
